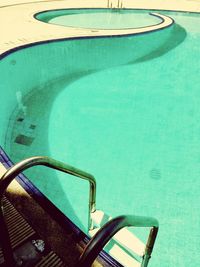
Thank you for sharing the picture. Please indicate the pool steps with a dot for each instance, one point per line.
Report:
(127, 248)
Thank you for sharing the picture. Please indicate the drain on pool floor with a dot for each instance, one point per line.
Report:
(24, 140)
(155, 174)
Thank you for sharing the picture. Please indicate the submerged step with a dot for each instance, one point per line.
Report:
(119, 253)
(126, 246)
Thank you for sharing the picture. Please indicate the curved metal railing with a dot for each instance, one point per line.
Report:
(107, 231)
(11, 173)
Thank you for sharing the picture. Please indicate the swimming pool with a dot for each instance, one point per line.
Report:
(100, 18)
(129, 115)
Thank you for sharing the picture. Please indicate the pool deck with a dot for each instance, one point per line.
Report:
(20, 28)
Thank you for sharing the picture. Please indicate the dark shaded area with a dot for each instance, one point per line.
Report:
(155, 174)
(176, 37)
(32, 126)
(20, 119)
(24, 140)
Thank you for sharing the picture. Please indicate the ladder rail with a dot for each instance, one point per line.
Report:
(23, 165)
(107, 231)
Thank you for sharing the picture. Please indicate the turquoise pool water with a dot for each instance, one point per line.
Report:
(100, 19)
(125, 109)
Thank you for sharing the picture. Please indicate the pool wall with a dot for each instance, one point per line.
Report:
(21, 71)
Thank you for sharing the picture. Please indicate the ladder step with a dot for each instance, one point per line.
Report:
(120, 255)
(18, 227)
(124, 238)
(51, 260)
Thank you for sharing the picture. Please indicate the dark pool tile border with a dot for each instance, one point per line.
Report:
(51, 209)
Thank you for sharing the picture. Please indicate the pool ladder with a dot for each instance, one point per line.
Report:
(118, 4)
(101, 227)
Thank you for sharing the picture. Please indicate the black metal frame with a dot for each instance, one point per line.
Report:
(11, 173)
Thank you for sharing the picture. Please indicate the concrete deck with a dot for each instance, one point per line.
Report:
(19, 27)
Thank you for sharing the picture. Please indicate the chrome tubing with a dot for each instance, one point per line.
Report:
(108, 230)
(11, 173)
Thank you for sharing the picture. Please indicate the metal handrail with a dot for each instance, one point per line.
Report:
(108, 230)
(11, 173)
